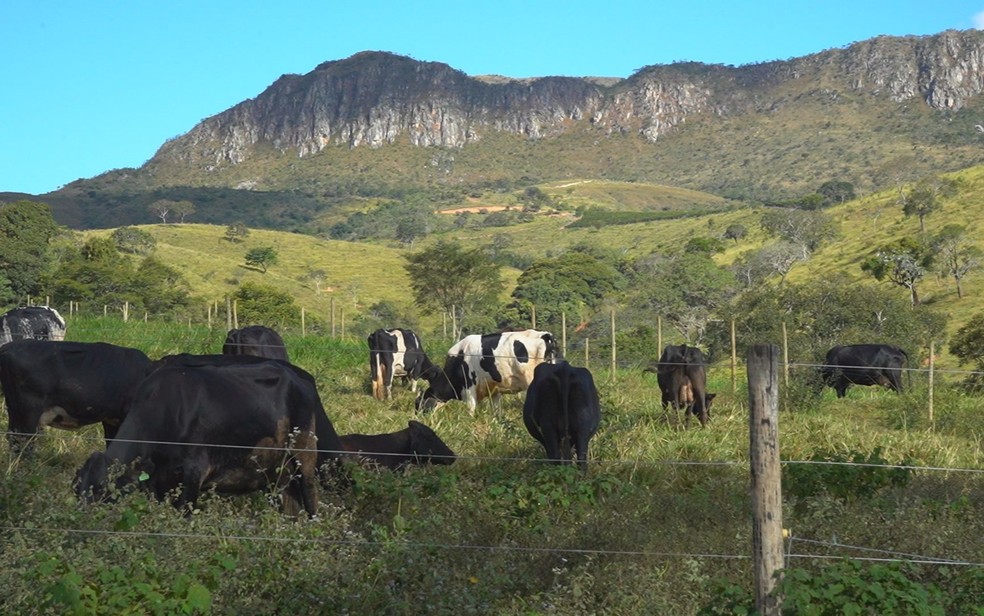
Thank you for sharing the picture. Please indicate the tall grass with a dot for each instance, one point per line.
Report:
(662, 512)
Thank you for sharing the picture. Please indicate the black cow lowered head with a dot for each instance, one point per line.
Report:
(562, 411)
(682, 377)
(863, 364)
(257, 340)
(415, 444)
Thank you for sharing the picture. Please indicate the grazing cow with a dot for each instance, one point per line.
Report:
(415, 444)
(396, 353)
(255, 340)
(31, 322)
(236, 427)
(329, 446)
(682, 379)
(67, 385)
(863, 364)
(562, 411)
(484, 365)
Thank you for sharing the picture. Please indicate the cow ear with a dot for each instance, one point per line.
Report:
(709, 397)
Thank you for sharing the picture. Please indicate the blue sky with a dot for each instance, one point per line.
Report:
(92, 85)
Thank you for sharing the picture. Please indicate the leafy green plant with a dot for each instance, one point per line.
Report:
(849, 475)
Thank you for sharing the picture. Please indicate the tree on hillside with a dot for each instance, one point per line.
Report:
(26, 229)
(956, 254)
(183, 209)
(735, 231)
(836, 191)
(926, 196)
(686, 290)
(261, 257)
(806, 229)
(968, 347)
(133, 240)
(447, 277)
(236, 232)
(161, 208)
(903, 262)
(575, 283)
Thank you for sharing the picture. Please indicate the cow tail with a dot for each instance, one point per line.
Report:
(565, 400)
(378, 369)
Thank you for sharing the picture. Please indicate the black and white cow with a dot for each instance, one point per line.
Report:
(31, 322)
(67, 385)
(396, 353)
(864, 364)
(562, 411)
(484, 365)
(257, 340)
(682, 377)
(415, 444)
(235, 426)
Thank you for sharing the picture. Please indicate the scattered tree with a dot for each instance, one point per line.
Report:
(903, 263)
(968, 347)
(956, 255)
(836, 191)
(161, 208)
(926, 197)
(26, 229)
(735, 231)
(182, 209)
(236, 232)
(447, 277)
(264, 305)
(261, 257)
(807, 230)
(133, 240)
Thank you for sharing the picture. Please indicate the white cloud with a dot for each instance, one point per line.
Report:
(978, 20)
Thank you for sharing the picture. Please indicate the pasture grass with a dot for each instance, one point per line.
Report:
(661, 517)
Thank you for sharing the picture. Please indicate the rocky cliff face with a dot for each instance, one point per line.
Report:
(375, 98)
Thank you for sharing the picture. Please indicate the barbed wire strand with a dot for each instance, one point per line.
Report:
(533, 460)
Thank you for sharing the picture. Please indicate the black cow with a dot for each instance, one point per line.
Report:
(682, 377)
(863, 364)
(235, 426)
(396, 353)
(67, 385)
(415, 444)
(562, 411)
(255, 340)
(31, 322)
(329, 445)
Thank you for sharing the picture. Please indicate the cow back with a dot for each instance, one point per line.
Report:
(257, 340)
(31, 322)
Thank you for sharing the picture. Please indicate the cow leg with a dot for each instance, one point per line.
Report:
(195, 473)
(582, 451)
(841, 387)
(109, 431)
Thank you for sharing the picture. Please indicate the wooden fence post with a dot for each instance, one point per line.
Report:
(228, 312)
(587, 354)
(533, 315)
(303, 329)
(763, 433)
(332, 316)
(932, 361)
(563, 334)
(614, 357)
(235, 313)
(659, 335)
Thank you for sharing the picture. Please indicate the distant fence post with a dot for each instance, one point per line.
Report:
(235, 313)
(587, 354)
(332, 316)
(932, 361)
(763, 421)
(734, 360)
(303, 328)
(563, 334)
(228, 312)
(659, 335)
(533, 315)
(614, 356)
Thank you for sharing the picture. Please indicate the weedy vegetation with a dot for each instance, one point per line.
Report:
(660, 524)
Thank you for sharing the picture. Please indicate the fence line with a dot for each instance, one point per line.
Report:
(902, 557)
(51, 434)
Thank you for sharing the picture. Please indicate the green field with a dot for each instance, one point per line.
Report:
(661, 517)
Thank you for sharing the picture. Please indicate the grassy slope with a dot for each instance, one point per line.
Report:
(361, 274)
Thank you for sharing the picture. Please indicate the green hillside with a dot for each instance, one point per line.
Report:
(360, 274)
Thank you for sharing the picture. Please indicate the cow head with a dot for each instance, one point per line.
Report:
(91, 483)
(427, 447)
